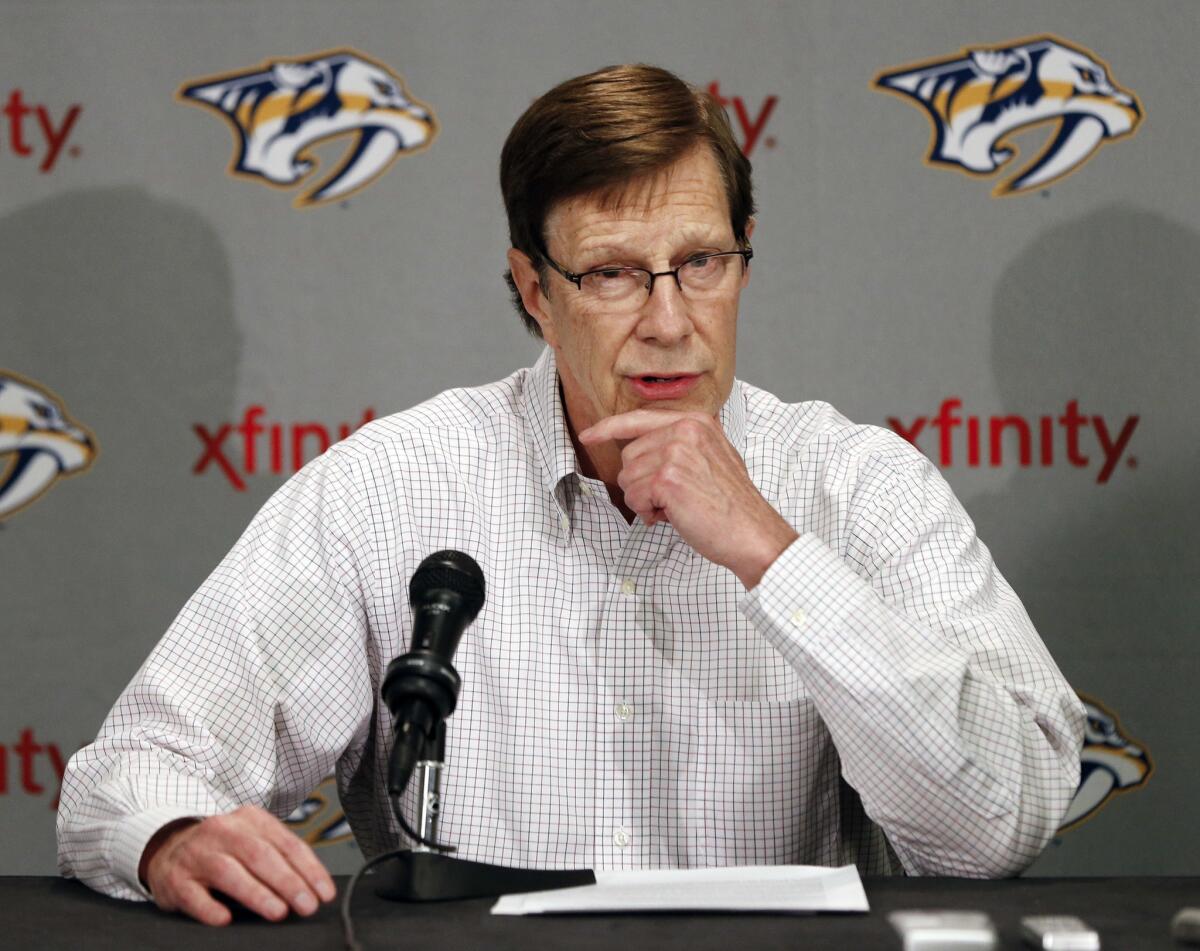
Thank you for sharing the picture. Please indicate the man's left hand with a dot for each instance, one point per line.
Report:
(679, 467)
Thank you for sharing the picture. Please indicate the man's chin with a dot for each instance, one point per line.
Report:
(687, 404)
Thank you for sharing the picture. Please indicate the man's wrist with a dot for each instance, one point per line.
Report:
(772, 543)
(157, 841)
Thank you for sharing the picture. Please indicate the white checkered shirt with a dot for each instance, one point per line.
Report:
(625, 702)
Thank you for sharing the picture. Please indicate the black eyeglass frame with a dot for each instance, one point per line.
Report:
(745, 254)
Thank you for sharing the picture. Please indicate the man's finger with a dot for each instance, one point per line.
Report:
(630, 425)
(266, 863)
(232, 878)
(194, 900)
(304, 860)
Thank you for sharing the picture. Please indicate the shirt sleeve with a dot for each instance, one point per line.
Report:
(950, 718)
(256, 689)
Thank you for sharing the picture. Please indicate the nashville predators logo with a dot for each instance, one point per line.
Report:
(319, 820)
(976, 99)
(284, 107)
(1110, 763)
(39, 443)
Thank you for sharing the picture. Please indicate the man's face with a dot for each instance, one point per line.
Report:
(604, 357)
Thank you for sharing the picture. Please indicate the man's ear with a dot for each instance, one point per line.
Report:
(533, 297)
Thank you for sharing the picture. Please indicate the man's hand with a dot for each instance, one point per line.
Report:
(248, 855)
(679, 467)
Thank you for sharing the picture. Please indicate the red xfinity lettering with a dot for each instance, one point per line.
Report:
(43, 139)
(25, 755)
(750, 126)
(1107, 448)
(244, 457)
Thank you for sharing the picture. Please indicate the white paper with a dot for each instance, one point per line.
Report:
(776, 888)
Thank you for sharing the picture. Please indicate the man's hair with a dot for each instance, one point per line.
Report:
(602, 133)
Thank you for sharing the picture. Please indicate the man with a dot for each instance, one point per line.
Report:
(719, 629)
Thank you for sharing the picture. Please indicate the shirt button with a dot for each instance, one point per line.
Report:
(565, 523)
(799, 618)
(623, 711)
(628, 586)
(585, 489)
(621, 838)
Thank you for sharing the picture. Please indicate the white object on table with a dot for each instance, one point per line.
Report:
(771, 888)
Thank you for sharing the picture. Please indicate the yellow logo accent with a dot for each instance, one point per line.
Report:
(1111, 762)
(281, 109)
(39, 443)
(977, 99)
(319, 820)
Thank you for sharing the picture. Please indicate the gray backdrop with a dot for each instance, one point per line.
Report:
(159, 298)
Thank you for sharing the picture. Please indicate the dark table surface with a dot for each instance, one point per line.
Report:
(1129, 913)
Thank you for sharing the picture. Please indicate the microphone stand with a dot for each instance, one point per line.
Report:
(426, 873)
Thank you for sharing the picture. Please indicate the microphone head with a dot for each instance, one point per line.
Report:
(450, 570)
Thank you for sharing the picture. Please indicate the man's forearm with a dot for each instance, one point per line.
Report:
(956, 770)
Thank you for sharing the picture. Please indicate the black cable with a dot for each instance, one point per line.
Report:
(412, 833)
(347, 924)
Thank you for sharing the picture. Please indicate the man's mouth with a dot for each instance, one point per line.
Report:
(664, 387)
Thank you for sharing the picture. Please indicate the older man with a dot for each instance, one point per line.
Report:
(720, 629)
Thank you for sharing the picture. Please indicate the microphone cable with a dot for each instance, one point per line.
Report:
(347, 924)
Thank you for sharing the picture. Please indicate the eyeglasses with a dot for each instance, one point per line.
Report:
(704, 277)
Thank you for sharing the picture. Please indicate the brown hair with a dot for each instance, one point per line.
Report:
(602, 132)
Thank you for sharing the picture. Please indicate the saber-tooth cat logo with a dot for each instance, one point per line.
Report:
(1111, 762)
(39, 443)
(284, 107)
(976, 99)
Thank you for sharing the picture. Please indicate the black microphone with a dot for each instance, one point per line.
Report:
(421, 687)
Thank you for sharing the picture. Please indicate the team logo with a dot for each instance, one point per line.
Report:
(976, 99)
(319, 820)
(1111, 762)
(39, 443)
(283, 108)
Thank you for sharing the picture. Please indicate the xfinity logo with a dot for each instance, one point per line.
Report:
(1073, 437)
(254, 444)
(750, 123)
(34, 133)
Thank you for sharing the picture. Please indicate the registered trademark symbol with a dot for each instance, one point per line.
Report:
(345, 203)
(769, 142)
(74, 151)
(1132, 463)
(1045, 192)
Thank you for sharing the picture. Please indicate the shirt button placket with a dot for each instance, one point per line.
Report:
(627, 633)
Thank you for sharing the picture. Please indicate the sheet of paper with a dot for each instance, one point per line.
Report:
(772, 888)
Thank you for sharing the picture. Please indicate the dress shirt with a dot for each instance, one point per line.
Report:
(880, 697)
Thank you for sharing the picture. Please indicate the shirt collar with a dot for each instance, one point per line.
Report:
(543, 408)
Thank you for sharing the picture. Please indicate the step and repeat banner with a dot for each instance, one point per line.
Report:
(232, 233)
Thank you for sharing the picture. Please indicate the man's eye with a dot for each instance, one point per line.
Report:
(613, 277)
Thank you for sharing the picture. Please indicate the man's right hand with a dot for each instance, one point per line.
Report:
(248, 855)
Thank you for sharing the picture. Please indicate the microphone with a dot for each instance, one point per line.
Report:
(421, 687)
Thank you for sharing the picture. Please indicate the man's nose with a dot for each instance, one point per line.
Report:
(665, 316)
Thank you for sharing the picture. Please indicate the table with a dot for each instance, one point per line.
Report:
(1130, 913)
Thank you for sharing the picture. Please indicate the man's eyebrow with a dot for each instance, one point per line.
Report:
(610, 253)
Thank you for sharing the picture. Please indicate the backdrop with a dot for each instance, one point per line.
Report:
(230, 233)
